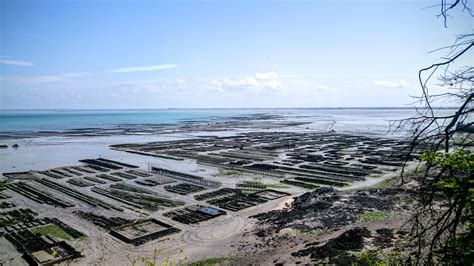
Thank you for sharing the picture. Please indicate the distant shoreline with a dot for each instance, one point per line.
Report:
(225, 108)
(73, 123)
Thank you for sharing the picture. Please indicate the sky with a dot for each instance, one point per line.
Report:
(218, 54)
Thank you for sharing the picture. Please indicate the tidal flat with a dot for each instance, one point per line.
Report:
(119, 194)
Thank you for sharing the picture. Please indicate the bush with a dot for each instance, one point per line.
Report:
(373, 216)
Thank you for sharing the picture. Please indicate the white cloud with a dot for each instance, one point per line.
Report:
(260, 81)
(142, 68)
(5, 60)
(266, 75)
(391, 84)
(31, 80)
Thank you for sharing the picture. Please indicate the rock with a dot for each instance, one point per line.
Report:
(344, 259)
(350, 240)
(326, 208)
(384, 238)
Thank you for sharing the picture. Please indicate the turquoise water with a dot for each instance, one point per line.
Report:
(24, 121)
(34, 121)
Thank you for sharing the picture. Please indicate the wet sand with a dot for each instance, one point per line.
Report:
(213, 238)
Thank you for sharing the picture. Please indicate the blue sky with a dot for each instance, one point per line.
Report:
(184, 54)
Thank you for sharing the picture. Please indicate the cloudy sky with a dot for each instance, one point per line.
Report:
(185, 54)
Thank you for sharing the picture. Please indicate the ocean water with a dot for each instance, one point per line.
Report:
(34, 121)
(45, 152)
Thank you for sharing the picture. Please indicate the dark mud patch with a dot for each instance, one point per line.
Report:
(326, 208)
(336, 249)
(384, 238)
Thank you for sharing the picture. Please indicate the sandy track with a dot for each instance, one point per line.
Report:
(230, 226)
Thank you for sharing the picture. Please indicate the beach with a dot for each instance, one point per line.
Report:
(200, 183)
(45, 147)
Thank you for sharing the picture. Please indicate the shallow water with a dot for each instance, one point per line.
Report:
(17, 121)
(40, 153)
(59, 120)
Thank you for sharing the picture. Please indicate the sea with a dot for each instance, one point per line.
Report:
(42, 144)
(60, 120)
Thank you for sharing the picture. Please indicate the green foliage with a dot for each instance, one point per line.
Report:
(457, 160)
(370, 258)
(209, 262)
(81, 238)
(52, 230)
(377, 257)
(226, 172)
(456, 177)
(382, 184)
(297, 232)
(455, 180)
(373, 216)
(459, 250)
(396, 180)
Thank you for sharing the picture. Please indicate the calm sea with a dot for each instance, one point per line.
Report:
(34, 121)
(42, 153)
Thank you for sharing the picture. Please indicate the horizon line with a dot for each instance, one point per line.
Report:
(219, 108)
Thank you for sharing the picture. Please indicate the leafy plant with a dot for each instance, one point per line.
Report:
(228, 172)
(297, 232)
(373, 216)
(52, 230)
(453, 183)
(377, 257)
(209, 261)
